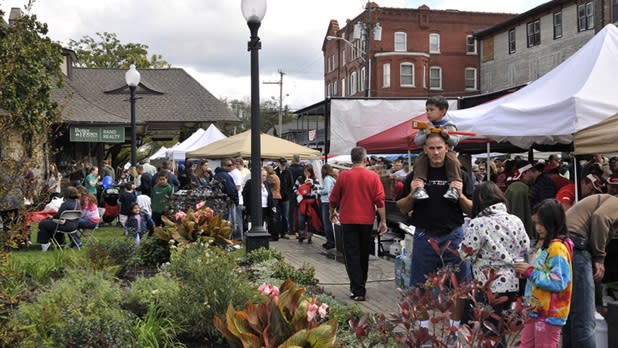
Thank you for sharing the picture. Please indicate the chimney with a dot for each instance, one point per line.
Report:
(16, 13)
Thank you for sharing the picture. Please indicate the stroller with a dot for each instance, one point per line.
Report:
(110, 200)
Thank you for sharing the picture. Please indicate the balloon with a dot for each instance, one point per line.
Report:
(107, 182)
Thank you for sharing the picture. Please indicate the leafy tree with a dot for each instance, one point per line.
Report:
(29, 67)
(108, 52)
(269, 115)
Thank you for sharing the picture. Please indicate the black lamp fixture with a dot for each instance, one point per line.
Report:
(257, 236)
(132, 78)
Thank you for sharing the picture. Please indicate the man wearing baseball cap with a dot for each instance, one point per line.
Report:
(612, 185)
(590, 184)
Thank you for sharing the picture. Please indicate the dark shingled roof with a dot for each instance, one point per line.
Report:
(164, 96)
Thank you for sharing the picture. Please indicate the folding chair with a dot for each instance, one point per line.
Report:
(67, 215)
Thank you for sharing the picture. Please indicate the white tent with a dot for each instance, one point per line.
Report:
(161, 153)
(196, 141)
(574, 95)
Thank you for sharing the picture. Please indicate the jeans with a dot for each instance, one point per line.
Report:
(425, 260)
(537, 333)
(235, 218)
(284, 206)
(327, 225)
(579, 328)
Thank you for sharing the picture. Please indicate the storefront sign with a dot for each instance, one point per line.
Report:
(97, 134)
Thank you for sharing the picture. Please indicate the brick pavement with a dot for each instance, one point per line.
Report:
(382, 294)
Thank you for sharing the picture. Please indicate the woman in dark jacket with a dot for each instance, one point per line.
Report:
(48, 226)
(267, 202)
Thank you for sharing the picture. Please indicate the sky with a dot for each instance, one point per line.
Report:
(208, 38)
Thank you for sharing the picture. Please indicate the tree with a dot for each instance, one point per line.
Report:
(29, 67)
(269, 115)
(110, 53)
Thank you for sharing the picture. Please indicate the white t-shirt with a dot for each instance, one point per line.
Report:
(237, 177)
(144, 204)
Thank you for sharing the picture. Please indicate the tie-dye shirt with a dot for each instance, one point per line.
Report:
(548, 289)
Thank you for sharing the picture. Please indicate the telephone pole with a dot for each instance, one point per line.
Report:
(280, 83)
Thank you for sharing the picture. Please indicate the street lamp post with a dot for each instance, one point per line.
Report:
(257, 236)
(132, 78)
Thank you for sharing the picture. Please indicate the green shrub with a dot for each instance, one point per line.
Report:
(209, 280)
(81, 310)
(260, 255)
(304, 276)
(153, 252)
(146, 292)
(156, 330)
(115, 252)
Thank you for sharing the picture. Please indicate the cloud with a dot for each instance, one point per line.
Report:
(209, 38)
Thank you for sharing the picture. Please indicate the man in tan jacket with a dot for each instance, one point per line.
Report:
(591, 223)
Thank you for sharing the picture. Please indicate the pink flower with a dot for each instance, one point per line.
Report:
(180, 215)
(209, 212)
(312, 310)
(323, 310)
(200, 205)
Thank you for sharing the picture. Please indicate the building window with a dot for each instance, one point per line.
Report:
(401, 41)
(343, 94)
(424, 76)
(361, 82)
(406, 75)
(585, 16)
(533, 30)
(614, 11)
(558, 25)
(470, 44)
(434, 43)
(512, 42)
(343, 57)
(353, 82)
(470, 79)
(435, 77)
(386, 77)
(488, 49)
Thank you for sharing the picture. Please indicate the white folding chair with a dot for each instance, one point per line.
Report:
(66, 216)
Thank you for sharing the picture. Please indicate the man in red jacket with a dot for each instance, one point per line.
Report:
(353, 202)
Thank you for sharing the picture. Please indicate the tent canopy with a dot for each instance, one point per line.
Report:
(240, 145)
(159, 154)
(395, 139)
(598, 138)
(574, 95)
(197, 140)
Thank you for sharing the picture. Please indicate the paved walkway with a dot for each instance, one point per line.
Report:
(382, 294)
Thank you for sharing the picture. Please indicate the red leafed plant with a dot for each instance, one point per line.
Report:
(436, 304)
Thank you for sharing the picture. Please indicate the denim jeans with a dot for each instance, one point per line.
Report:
(284, 206)
(326, 224)
(579, 328)
(235, 218)
(425, 260)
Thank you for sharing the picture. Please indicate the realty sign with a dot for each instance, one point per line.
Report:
(97, 134)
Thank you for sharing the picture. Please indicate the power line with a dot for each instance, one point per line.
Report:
(280, 83)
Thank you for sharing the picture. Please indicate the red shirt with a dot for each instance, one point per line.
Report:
(357, 193)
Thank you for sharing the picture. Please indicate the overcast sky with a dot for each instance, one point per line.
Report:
(208, 38)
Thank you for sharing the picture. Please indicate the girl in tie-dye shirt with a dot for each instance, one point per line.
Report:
(550, 275)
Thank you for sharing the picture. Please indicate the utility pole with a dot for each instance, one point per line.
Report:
(280, 83)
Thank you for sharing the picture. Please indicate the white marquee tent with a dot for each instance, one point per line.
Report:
(197, 140)
(161, 153)
(575, 95)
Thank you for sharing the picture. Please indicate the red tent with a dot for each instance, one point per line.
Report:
(400, 138)
(397, 139)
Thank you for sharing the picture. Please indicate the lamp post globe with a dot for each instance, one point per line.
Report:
(257, 236)
(132, 77)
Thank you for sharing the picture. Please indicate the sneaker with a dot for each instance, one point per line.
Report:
(45, 246)
(452, 195)
(420, 194)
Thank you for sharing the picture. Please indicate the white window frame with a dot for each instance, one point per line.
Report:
(533, 33)
(512, 41)
(361, 81)
(411, 75)
(439, 70)
(343, 90)
(467, 79)
(353, 82)
(434, 43)
(424, 76)
(400, 41)
(557, 23)
(585, 16)
(471, 45)
(386, 75)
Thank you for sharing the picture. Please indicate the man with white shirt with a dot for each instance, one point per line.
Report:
(237, 176)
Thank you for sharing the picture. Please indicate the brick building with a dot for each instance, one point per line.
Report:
(409, 52)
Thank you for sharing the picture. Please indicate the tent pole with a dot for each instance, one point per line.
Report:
(575, 179)
(487, 170)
